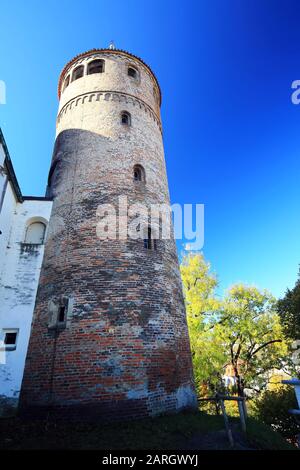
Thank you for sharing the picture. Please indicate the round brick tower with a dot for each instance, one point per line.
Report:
(109, 336)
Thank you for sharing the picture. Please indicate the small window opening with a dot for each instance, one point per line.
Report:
(126, 119)
(138, 173)
(66, 83)
(78, 73)
(149, 242)
(96, 66)
(62, 314)
(132, 72)
(59, 309)
(10, 338)
(35, 233)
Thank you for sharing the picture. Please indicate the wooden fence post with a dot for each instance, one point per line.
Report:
(242, 415)
(229, 433)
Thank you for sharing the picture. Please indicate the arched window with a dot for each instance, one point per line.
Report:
(77, 73)
(125, 118)
(138, 173)
(149, 241)
(96, 66)
(133, 73)
(66, 82)
(35, 233)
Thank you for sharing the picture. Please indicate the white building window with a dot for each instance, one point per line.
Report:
(10, 339)
(35, 233)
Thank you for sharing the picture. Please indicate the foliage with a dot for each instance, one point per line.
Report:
(201, 306)
(252, 335)
(289, 311)
(272, 409)
(243, 330)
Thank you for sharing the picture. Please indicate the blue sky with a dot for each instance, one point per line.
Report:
(231, 133)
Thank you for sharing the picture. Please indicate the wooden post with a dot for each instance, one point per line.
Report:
(245, 408)
(229, 433)
(242, 414)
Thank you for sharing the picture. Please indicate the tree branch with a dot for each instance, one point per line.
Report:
(266, 344)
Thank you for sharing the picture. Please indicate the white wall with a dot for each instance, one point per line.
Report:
(19, 274)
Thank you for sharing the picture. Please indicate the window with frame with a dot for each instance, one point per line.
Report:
(10, 339)
(35, 233)
(59, 311)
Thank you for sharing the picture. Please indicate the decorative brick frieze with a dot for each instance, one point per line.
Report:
(108, 96)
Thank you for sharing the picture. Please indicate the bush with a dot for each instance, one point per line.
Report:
(272, 408)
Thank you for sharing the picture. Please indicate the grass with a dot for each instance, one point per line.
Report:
(161, 433)
(263, 437)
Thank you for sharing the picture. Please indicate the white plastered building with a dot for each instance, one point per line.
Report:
(23, 227)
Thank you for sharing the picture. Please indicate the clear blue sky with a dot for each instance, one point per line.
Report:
(231, 133)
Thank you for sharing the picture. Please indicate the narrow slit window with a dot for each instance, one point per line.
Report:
(62, 314)
(59, 311)
(149, 242)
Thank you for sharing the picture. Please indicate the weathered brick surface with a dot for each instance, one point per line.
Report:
(125, 351)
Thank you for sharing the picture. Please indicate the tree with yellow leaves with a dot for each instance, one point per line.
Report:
(243, 330)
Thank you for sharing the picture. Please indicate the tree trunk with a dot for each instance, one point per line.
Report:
(239, 381)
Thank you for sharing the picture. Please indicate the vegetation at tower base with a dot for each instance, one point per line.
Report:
(184, 431)
(241, 332)
(272, 408)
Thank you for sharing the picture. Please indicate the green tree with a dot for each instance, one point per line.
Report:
(252, 336)
(199, 286)
(289, 311)
(243, 330)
